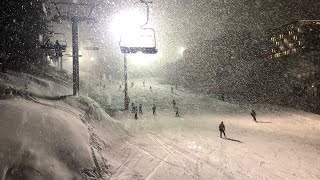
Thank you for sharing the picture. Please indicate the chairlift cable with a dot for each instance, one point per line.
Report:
(146, 3)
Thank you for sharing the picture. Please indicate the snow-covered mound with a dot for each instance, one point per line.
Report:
(47, 134)
(40, 141)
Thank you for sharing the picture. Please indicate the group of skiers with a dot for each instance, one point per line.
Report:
(136, 110)
(222, 128)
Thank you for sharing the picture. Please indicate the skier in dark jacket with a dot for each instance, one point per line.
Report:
(132, 107)
(177, 112)
(136, 113)
(154, 109)
(140, 108)
(174, 103)
(253, 114)
(222, 129)
(57, 49)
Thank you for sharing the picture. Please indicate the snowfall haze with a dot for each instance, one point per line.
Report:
(162, 89)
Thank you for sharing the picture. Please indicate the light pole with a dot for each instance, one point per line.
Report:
(126, 98)
(75, 54)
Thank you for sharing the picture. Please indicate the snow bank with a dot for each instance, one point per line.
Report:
(46, 134)
(40, 142)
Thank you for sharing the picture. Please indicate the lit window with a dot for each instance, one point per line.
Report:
(281, 36)
(299, 30)
(299, 42)
(294, 50)
(281, 47)
(299, 76)
(277, 43)
(295, 37)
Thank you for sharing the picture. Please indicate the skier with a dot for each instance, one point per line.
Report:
(140, 108)
(136, 113)
(174, 103)
(48, 47)
(132, 107)
(154, 109)
(222, 129)
(143, 83)
(253, 114)
(57, 49)
(150, 88)
(171, 89)
(120, 87)
(177, 112)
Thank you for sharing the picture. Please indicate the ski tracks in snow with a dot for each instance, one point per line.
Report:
(191, 162)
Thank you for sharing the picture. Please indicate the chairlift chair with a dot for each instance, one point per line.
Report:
(90, 45)
(142, 39)
(62, 40)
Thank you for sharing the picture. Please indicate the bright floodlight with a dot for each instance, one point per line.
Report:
(126, 21)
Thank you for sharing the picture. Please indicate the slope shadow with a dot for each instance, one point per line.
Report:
(263, 122)
(234, 140)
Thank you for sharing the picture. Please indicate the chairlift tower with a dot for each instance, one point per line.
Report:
(75, 19)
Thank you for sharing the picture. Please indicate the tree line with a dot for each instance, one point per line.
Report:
(21, 23)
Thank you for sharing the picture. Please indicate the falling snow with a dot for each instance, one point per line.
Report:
(216, 60)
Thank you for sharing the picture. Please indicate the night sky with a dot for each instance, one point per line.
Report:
(179, 23)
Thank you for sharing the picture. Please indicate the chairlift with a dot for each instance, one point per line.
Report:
(45, 43)
(142, 39)
(90, 46)
(62, 40)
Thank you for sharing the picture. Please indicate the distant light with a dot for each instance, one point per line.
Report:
(181, 50)
(92, 58)
(40, 38)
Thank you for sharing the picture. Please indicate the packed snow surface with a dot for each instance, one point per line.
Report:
(73, 138)
(283, 144)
